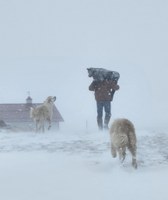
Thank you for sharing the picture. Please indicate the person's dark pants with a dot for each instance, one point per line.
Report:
(106, 105)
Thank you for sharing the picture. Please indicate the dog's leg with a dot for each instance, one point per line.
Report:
(49, 122)
(43, 129)
(123, 153)
(119, 150)
(37, 126)
(41, 126)
(133, 153)
(134, 163)
(113, 151)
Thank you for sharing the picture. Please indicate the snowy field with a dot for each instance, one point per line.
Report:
(45, 49)
(78, 165)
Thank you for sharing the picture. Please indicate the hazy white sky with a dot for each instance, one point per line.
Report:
(46, 46)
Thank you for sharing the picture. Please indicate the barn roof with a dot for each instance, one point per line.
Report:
(20, 112)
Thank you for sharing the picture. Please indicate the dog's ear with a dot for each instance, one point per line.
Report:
(48, 99)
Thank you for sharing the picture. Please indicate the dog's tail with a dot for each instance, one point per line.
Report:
(31, 112)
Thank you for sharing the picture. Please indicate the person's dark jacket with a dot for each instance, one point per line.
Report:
(103, 89)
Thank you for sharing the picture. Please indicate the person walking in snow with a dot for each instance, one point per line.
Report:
(104, 91)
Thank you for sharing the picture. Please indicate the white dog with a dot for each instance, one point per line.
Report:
(43, 113)
(122, 134)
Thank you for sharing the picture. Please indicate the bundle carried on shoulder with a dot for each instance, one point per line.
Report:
(100, 74)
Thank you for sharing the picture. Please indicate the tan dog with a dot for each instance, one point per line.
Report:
(43, 113)
(122, 134)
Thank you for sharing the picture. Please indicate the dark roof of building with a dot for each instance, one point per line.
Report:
(21, 112)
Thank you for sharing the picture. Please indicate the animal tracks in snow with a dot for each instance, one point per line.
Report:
(152, 148)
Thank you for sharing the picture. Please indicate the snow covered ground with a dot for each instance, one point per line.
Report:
(78, 165)
(45, 49)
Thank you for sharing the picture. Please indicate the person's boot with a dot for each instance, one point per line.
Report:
(106, 122)
(100, 123)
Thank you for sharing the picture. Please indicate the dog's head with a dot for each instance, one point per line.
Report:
(96, 73)
(90, 72)
(51, 99)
